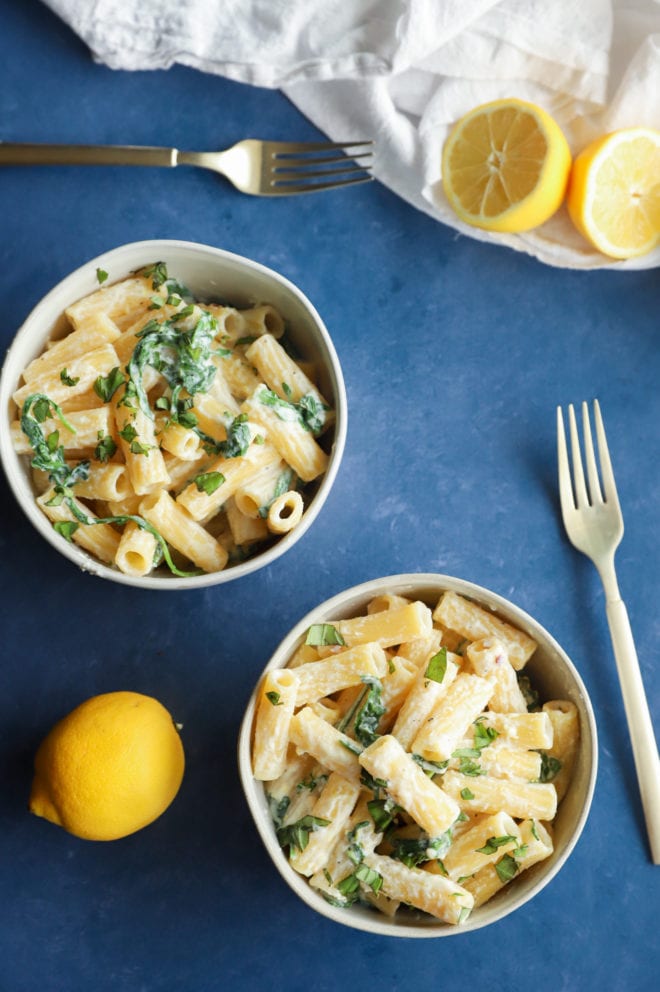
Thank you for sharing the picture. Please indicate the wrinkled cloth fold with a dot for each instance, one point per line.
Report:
(402, 71)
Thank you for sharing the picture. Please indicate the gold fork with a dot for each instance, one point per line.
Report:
(594, 524)
(260, 168)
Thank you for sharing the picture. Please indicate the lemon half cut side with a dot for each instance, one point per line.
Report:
(614, 192)
(505, 166)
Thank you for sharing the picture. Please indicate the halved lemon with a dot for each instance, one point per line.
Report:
(614, 192)
(505, 166)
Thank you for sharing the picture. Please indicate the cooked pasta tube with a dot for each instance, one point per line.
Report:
(482, 844)
(535, 845)
(405, 623)
(101, 539)
(245, 530)
(89, 426)
(258, 492)
(137, 439)
(422, 799)
(434, 894)
(182, 532)
(566, 737)
(527, 730)
(94, 333)
(81, 373)
(178, 440)
(322, 678)
(294, 442)
(201, 503)
(136, 551)
(336, 751)
(489, 659)
(282, 374)
(357, 839)
(285, 512)
(484, 794)
(474, 623)
(115, 300)
(418, 705)
(106, 481)
(451, 717)
(334, 806)
(275, 707)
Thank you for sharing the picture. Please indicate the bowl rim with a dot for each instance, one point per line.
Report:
(399, 583)
(11, 462)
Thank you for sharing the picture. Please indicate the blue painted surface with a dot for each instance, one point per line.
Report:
(455, 355)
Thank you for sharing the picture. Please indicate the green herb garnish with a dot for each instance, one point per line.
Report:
(67, 379)
(295, 836)
(105, 387)
(208, 482)
(323, 634)
(274, 698)
(101, 276)
(437, 666)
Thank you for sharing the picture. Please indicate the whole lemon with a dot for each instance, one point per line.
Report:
(109, 768)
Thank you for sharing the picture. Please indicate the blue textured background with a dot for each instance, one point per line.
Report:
(455, 356)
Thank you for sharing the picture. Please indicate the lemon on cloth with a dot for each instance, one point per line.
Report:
(505, 166)
(614, 192)
(110, 767)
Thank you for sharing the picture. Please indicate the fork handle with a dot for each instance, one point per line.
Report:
(644, 747)
(13, 153)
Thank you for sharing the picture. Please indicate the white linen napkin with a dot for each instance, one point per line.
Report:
(402, 71)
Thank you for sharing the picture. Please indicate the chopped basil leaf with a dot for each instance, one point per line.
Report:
(311, 782)
(137, 448)
(66, 528)
(383, 812)
(437, 666)
(483, 735)
(208, 482)
(101, 276)
(238, 438)
(278, 808)
(494, 843)
(295, 836)
(128, 433)
(274, 698)
(105, 449)
(369, 876)
(467, 794)
(371, 783)
(105, 387)
(412, 851)
(351, 746)
(368, 716)
(467, 766)
(67, 379)
(507, 867)
(430, 768)
(323, 634)
(550, 767)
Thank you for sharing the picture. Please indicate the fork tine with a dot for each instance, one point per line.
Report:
(300, 147)
(310, 187)
(592, 471)
(609, 485)
(581, 498)
(308, 162)
(289, 175)
(565, 487)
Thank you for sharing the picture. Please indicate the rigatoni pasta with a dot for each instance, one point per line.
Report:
(409, 783)
(144, 405)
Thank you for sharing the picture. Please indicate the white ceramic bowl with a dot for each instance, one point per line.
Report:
(210, 274)
(552, 673)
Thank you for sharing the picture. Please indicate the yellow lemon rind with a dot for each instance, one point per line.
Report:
(582, 187)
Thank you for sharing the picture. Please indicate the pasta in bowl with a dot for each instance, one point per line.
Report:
(419, 757)
(176, 415)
